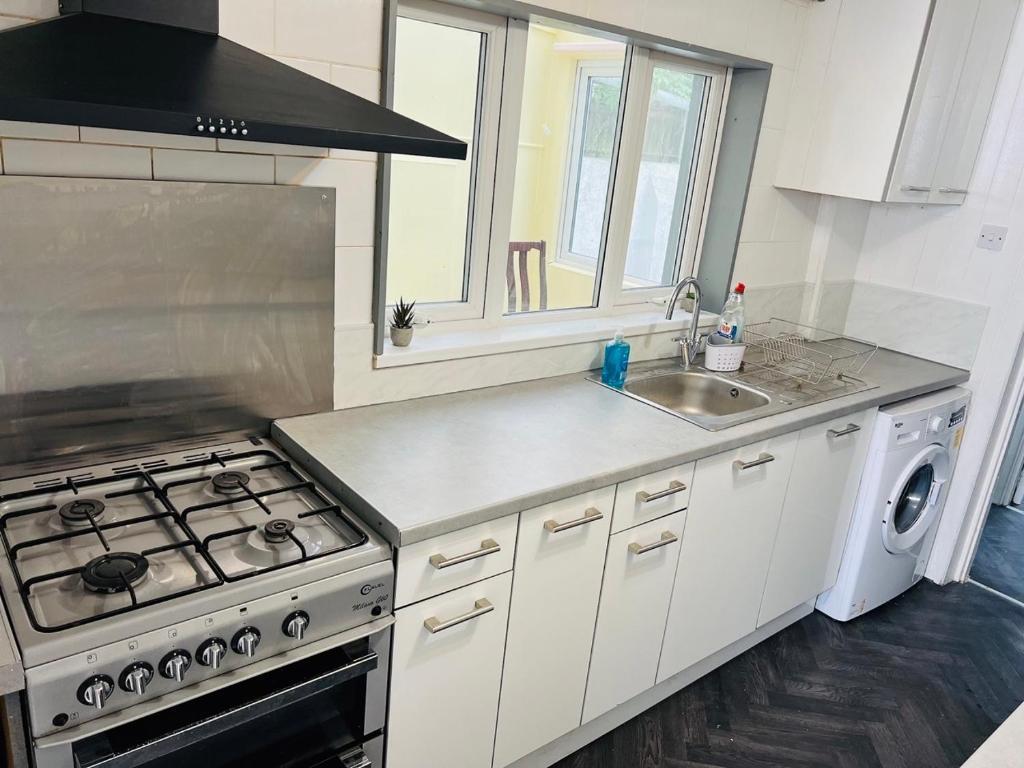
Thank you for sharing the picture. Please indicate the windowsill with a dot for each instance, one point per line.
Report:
(437, 344)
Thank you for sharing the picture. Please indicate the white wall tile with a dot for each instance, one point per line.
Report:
(353, 286)
(726, 23)
(249, 23)
(795, 216)
(364, 83)
(759, 216)
(32, 9)
(318, 69)
(339, 31)
(262, 148)
(769, 145)
(616, 12)
(27, 157)
(185, 165)
(681, 20)
(144, 139)
(356, 183)
(776, 109)
(9, 22)
(10, 129)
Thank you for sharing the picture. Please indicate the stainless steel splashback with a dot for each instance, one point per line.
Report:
(136, 313)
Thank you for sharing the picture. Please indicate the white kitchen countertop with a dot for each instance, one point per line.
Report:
(1004, 748)
(416, 469)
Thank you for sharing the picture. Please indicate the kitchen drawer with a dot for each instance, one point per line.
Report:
(631, 619)
(652, 496)
(454, 560)
(445, 682)
(559, 561)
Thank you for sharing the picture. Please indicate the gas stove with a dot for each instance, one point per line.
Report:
(131, 581)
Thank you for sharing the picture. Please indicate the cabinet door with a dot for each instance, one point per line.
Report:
(445, 676)
(816, 514)
(637, 588)
(723, 564)
(931, 103)
(990, 38)
(559, 562)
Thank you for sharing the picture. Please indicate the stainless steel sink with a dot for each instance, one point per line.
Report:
(697, 394)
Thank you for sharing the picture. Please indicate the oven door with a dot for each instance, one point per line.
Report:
(327, 709)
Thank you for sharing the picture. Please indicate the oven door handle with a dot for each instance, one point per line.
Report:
(212, 726)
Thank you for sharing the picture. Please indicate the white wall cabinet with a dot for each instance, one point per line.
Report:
(816, 514)
(894, 109)
(731, 524)
(445, 677)
(637, 588)
(559, 561)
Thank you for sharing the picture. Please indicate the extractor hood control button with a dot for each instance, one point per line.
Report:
(245, 131)
(211, 652)
(95, 691)
(245, 641)
(200, 127)
(175, 664)
(296, 624)
(136, 677)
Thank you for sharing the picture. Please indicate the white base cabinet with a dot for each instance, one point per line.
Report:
(558, 566)
(816, 516)
(727, 545)
(637, 588)
(445, 678)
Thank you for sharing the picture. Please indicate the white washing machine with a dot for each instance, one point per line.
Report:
(910, 460)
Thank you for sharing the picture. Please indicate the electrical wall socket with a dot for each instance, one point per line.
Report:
(992, 237)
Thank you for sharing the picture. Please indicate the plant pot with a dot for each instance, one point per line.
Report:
(401, 337)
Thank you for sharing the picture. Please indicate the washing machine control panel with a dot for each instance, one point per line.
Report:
(957, 417)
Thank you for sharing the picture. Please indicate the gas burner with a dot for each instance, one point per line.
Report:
(79, 511)
(230, 482)
(278, 531)
(114, 572)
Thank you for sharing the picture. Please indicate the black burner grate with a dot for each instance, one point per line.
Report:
(86, 512)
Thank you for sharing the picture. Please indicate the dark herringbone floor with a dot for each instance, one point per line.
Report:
(1000, 560)
(920, 682)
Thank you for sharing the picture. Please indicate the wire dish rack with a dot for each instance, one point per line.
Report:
(804, 352)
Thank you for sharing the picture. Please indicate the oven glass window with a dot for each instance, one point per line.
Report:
(914, 498)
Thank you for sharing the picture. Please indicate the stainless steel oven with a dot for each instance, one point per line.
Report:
(321, 705)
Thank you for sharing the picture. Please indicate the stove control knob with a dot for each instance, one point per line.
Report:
(136, 677)
(245, 641)
(95, 691)
(296, 624)
(175, 664)
(211, 652)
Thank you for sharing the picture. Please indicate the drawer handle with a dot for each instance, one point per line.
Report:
(666, 538)
(849, 430)
(592, 515)
(480, 607)
(674, 487)
(914, 188)
(487, 547)
(953, 191)
(764, 458)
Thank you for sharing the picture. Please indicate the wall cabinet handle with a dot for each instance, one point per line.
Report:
(666, 538)
(764, 458)
(480, 607)
(914, 188)
(674, 487)
(487, 547)
(953, 191)
(592, 515)
(849, 429)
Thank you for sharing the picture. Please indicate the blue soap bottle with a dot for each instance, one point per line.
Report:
(616, 360)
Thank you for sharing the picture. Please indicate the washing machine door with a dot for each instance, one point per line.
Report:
(912, 507)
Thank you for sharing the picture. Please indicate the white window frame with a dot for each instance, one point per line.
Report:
(628, 173)
(501, 114)
(585, 70)
(485, 143)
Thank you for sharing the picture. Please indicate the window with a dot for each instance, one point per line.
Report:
(590, 165)
(447, 74)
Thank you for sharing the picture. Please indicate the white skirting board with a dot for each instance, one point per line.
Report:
(562, 747)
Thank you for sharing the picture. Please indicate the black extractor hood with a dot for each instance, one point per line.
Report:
(160, 66)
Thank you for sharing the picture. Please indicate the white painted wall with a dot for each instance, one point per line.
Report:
(339, 41)
(921, 285)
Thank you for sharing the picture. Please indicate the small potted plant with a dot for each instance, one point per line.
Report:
(402, 318)
(689, 301)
